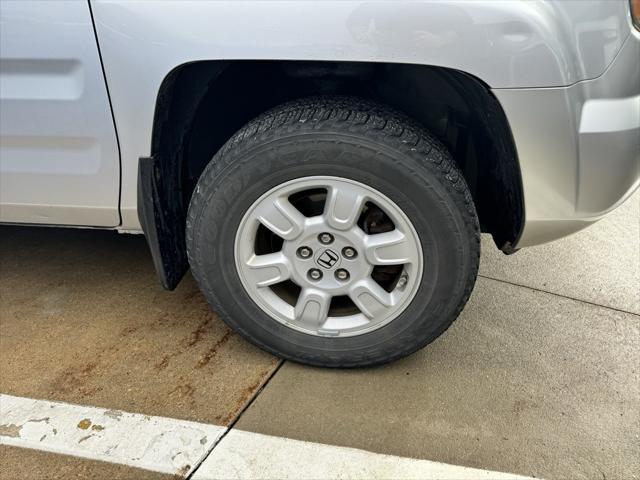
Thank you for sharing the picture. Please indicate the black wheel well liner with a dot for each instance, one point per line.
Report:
(201, 104)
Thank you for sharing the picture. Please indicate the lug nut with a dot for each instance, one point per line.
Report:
(305, 252)
(342, 274)
(348, 252)
(325, 238)
(314, 274)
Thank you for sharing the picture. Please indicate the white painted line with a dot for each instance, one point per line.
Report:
(153, 443)
(252, 455)
(175, 446)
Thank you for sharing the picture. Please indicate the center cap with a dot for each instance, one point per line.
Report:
(328, 259)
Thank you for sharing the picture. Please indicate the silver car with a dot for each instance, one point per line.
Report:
(324, 168)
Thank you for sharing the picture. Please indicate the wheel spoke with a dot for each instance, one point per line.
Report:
(370, 298)
(281, 218)
(269, 269)
(343, 206)
(391, 248)
(312, 308)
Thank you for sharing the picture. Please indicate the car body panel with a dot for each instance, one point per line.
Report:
(558, 69)
(59, 161)
(578, 147)
(505, 44)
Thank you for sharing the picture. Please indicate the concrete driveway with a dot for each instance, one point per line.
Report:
(538, 377)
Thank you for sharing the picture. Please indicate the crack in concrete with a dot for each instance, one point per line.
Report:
(561, 295)
(235, 420)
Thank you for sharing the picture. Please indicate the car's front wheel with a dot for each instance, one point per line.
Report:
(335, 232)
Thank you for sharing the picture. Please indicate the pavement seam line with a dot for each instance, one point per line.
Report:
(560, 295)
(198, 464)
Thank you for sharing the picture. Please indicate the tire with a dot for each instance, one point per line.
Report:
(358, 141)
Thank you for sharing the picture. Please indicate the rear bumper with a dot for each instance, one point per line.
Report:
(578, 147)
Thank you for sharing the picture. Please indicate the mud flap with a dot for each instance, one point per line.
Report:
(162, 222)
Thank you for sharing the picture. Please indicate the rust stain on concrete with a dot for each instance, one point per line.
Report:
(246, 394)
(75, 379)
(199, 332)
(84, 424)
(209, 354)
(162, 364)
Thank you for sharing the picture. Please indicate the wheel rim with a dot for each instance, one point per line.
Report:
(328, 256)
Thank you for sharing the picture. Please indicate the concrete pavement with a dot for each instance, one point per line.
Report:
(85, 321)
(600, 264)
(539, 376)
(524, 382)
(33, 464)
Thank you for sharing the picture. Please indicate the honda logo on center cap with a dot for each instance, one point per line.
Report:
(328, 259)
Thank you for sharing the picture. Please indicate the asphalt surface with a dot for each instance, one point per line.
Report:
(539, 376)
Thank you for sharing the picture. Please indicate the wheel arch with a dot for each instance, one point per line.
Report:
(202, 104)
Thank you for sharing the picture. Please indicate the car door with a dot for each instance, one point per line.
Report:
(59, 161)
